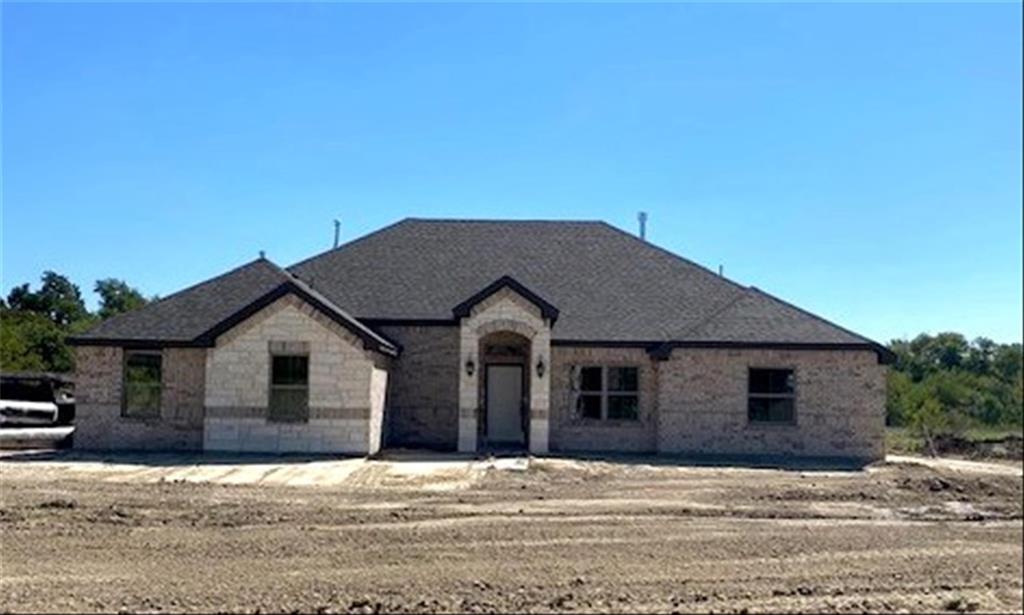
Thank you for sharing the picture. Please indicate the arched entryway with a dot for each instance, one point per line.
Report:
(504, 391)
(505, 325)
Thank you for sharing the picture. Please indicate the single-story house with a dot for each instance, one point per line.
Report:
(475, 335)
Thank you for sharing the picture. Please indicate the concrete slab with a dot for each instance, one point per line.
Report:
(431, 472)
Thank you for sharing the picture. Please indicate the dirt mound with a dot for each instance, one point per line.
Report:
(1008, 447)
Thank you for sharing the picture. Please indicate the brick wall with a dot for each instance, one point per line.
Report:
(840, 404)
(571, 433)
(423, 392)
(341, 379)
(98, 384)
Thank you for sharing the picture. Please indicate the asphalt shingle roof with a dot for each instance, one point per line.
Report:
(191, 316)
(607, 285)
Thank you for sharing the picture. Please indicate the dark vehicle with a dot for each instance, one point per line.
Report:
(36, 399)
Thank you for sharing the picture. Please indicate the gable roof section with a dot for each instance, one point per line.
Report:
(199, 314)
(547, 310)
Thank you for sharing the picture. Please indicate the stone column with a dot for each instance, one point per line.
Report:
(469, 350)
(540, 390)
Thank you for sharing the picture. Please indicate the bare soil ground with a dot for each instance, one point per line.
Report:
(561, 535)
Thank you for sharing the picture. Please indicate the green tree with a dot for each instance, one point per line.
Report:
(899, 402)
(35, 324)
(116, 297)
(30, 341)
(929, 421)
(57, 299)
(980, 355)
(1008, 362)
(970, 383)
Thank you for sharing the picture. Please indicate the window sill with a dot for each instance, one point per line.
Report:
(616, 423)
(770, 425)
(139, 418)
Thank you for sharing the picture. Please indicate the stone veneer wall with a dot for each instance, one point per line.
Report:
(423, 400)
(346, 386)
(98, 390)
(840, 404)
(571, 433)
(378, 398)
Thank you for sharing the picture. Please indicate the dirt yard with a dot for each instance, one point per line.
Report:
(551, 535)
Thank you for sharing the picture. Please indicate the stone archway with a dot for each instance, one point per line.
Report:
(507, 312)
(504, 390)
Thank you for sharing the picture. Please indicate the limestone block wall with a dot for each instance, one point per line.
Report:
(423, 394)
(572, 433)
(99, 424)
(341, 386)
(378, 396)
(840, 404)
(505, 310)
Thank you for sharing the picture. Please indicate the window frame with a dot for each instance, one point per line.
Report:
(792, 396)
(271, 417)
(605, 394)
(126, 411)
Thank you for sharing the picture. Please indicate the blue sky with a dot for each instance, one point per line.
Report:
(860, 160)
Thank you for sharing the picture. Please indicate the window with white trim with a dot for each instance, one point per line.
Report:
(607, 393)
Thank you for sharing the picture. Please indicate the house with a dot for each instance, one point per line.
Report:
(476, 335)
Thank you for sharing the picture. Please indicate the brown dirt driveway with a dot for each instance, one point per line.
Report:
(446, 534)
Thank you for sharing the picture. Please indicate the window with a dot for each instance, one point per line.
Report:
(142, 377)
(289, 388)
(771, 396)
(608, 393)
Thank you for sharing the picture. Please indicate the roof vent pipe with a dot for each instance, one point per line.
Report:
(337, 231)
(642, 217)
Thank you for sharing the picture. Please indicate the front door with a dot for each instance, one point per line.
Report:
(504, 404)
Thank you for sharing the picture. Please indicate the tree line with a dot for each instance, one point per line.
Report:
(939, 384)
(944, 384)
(35, 323)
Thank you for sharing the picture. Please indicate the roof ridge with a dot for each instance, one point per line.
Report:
(504, 220)
(347, 244)
(716, 313)
(306, 287)
(668, 252)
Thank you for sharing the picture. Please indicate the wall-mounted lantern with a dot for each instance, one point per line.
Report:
(540, 367)
(470, 366)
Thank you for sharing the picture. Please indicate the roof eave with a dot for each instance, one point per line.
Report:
(662, 351)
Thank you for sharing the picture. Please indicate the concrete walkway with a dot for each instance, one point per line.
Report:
(430, 472)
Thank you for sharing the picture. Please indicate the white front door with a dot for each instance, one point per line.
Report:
(504, 400)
